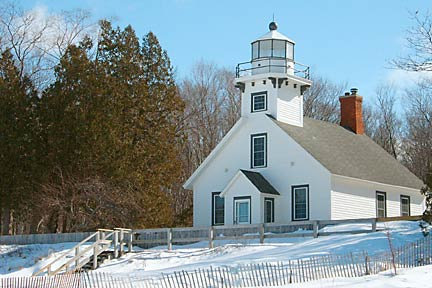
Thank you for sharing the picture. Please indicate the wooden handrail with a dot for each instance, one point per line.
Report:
(100, 239)
(65, 253)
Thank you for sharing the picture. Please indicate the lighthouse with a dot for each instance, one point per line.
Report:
(272, 82)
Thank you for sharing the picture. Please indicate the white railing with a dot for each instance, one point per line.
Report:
(102, 240)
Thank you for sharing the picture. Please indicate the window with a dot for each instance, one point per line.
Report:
(265, 48)
(268, 210)
(255, 51)
(259, 102)
(258, 150)
(300, 202)
(279, 47)
(290, 51)
(218, 209)
(242, 211)
(405, 205)
(381, 208)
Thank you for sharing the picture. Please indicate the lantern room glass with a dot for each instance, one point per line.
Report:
(272, 48)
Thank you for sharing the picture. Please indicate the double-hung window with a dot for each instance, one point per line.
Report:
(259, 150)
(381, 207)
(405, 205)
(218, 209)
(300, 202)
(268, 210)
(259, 101)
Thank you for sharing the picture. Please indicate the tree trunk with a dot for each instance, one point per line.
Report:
(6, 218)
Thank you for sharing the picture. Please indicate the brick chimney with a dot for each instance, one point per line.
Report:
(351, 111)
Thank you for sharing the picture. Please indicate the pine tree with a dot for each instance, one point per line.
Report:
(17, 141)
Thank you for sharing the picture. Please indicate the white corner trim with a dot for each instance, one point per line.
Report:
(373, 182)
(215, 151)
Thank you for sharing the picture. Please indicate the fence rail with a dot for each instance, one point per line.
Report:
(148, 238)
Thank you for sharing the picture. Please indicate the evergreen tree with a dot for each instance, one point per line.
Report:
(18, 140)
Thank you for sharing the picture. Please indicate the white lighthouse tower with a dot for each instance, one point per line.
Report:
(272, 82)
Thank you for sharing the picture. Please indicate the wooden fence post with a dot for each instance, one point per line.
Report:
(130, 241)
(211, 237)
(315, 229)
(169, 238)
(374, 220)
(76, 253)
(261, 232)
(96, 251)
(121, 238)
(116, 250)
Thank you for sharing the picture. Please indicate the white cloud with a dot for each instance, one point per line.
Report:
(404, 79)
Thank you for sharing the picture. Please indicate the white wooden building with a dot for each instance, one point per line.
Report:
(275, 165)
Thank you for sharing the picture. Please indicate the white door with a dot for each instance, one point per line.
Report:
(242, 211)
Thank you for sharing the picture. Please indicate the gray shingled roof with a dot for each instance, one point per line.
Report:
(260, 182)
(345, 153)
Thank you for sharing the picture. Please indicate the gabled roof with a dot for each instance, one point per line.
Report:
(260, 182)
(345, 153)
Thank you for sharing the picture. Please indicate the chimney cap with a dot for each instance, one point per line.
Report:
(354, 91)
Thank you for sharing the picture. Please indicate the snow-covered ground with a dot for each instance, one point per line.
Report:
(23, 260)
(420, 277)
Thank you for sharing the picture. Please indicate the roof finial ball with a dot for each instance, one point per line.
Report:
(273, 26)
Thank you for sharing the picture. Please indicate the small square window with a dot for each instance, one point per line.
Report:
(259, 102)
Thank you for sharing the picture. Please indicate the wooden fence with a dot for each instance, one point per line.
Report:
(148, 238)
(51, 238)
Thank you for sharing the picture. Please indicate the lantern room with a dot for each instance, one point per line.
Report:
(272, 53)
(273, 45)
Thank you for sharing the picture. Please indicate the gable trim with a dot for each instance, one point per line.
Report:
(189, 182)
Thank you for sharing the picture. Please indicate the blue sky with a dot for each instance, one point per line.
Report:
(345, 41)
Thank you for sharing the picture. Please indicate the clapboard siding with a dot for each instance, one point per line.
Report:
(289, 110)
(360, 195)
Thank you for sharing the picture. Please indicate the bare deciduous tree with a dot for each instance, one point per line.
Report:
(419, 42)
(212, 108)
(417, 144)
(387, 124)
(38, 39)
(321, 100)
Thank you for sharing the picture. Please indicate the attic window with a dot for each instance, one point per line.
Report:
(259, 101)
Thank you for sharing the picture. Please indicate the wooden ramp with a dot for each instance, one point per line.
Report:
(90, 252)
